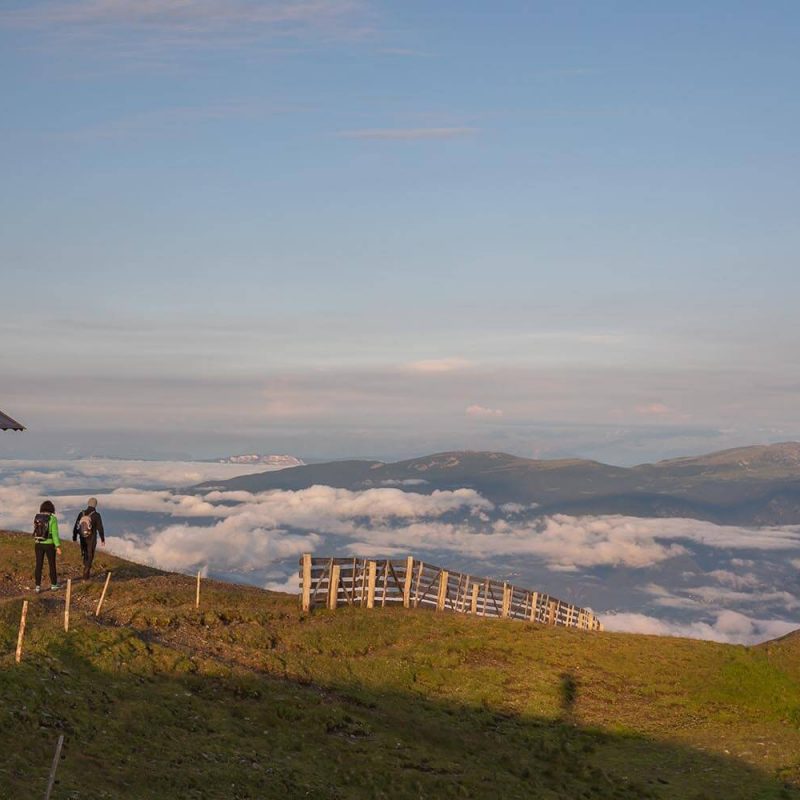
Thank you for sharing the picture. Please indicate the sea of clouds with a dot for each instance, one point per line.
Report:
(661, 576)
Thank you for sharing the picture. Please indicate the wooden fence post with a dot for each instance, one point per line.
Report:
(506, 600)
(373, 575)
(485, 596)
(103, 595)
(352, 599)
(66, 605)
(197, 593)
(467, 579)
(54, 767)
(22, 619)
(419, 580)
(385, 582)
(306, 582)
(474, 606)
(333, 587)
(444, 577)
(408, 581)
(534, 603)
(363, 597)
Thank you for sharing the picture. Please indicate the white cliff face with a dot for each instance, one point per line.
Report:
(275, 461)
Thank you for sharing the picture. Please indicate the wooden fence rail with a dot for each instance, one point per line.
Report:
(335, 582)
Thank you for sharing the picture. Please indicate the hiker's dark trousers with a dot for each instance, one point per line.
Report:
(88, 545)
(48, 550)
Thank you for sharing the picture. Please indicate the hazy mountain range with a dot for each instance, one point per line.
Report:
(258, 459)
(757, 485)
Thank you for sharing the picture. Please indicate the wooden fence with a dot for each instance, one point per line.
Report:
(335, 582)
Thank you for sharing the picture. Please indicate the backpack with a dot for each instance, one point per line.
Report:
(41, 528)
(85, 525)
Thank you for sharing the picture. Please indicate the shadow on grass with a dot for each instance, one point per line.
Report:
(140, 725)
(569, 695)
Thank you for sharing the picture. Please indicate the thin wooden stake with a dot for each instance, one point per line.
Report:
(333, 588)
(22, 619)
(54, 767)
(197, 593)
(306, 581)
(474, 605)
(103, 595)
(66, 605)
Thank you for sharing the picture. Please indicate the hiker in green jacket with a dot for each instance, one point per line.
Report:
(48, 543)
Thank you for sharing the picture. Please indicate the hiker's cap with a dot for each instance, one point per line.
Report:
(92, 502)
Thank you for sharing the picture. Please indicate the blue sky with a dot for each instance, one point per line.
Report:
(367, 228)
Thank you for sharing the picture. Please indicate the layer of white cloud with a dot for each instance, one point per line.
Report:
(727, 626)
(225, 546)
(699, 596)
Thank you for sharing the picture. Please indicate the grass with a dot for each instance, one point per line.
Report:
(249, 698)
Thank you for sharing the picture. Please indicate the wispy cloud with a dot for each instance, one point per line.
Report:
(481, 412)
(187, 15)
(208, 22)
(653, 410)
(178, 120)
(407, 134)
(438, 365)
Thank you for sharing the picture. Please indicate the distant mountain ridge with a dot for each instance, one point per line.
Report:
(276, 461)
(757, 485)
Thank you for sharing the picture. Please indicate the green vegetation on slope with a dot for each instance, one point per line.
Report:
(249, 698)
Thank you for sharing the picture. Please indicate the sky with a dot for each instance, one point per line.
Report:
(361, 228)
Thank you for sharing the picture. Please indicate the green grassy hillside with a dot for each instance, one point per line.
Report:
(249, 698)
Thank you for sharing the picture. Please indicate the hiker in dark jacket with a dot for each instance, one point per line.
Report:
(48, 543)
(88, 526)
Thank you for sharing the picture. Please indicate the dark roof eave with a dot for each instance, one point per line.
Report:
(8, 424)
